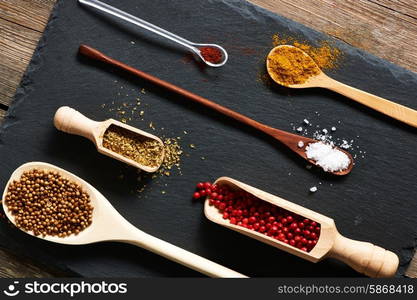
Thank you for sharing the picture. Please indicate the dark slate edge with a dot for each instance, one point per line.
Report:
(22, 92)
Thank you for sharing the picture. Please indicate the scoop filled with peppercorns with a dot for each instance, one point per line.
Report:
(289, 227)
(53, 204)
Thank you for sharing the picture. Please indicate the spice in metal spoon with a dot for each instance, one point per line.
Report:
(46, 203)
(211, 54)
(143, 150)
(289, 66)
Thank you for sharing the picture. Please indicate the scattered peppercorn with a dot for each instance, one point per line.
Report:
(45, 203)
(211, 54)
(244, 209)
(145, 151)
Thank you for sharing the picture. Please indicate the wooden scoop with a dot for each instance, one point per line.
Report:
(71, 121)
(389, 108)
(109, 225)
(288, 139)
(364, 257)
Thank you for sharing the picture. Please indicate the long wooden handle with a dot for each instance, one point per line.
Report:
(71, 121)
(179, 255)
(97, 55)
(364, 257)
(387, 107)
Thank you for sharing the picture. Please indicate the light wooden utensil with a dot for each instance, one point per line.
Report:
(288, 139)
(364, 257)
(389, 108)
(71, 121)
(109, 225)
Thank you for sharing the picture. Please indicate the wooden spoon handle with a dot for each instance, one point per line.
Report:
(364, 257)
(387, 107)
(71, 121)
(97, 55)
(181, 256)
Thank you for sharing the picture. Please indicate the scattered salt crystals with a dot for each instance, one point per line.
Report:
(345, 144)
(300, 144)
(313, 189)
(299, 129)
(325, 131)
(308, 167)
(306, 121)
(333, 128)
(327, 157)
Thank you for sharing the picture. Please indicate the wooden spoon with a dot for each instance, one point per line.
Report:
(109, 225)
(364, 257)
(288, 139)
(71, 121)
(389, 108)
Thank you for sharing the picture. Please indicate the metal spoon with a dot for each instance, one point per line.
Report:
(109, 225)
(193, 47)
(389, 108)
(364, 257)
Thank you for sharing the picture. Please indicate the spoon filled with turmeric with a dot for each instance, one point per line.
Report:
(292, 67)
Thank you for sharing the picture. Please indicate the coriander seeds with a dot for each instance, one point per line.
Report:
(45, 203)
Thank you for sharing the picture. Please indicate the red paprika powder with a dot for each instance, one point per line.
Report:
(211, 54)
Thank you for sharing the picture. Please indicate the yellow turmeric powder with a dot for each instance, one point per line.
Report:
(288, 66)
(326, 56)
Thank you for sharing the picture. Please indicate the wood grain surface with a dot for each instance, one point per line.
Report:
(385, 28)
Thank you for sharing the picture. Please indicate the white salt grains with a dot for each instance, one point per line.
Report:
(327, 157)
(313, 189)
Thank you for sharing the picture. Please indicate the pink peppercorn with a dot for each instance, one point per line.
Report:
(245, 210)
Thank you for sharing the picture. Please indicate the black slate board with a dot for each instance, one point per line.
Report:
(376, 202)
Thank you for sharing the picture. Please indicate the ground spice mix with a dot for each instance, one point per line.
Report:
(211, 54)
(143, 150)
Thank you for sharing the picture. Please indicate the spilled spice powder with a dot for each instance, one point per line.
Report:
(172, 156)
(143, 150)
(289, 66)
(325, 55)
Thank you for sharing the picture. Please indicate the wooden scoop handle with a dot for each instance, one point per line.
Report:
(364, 257)
(389, 108)
(71, 121)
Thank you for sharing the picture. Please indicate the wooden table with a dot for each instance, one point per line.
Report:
(385, 28)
